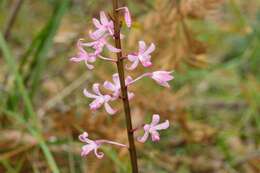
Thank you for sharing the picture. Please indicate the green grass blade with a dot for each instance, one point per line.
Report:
(40, 56)
(12, 66)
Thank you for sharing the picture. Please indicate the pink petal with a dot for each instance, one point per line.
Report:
(146, 61)
(84, 138)
(95, 88)
(96, 104)
(132, 57)
(91, 58)
(79, 44)
(155, 120)
(111, 30)
(89, 44)
(155, 136)
(142, 46)
(134, 65)
(86, 149)
(107, 98)
(163, 75)
(149, 50)
(109, 86)
(112, 48)
(144, 137)
(90, 67)
(116, 94)
(164, 84)
(109, 109)
(116, 79)
(96, 23)
(130, 95)
(98, 33)
(127, 15)
(76, 59)
(103, 18)
(128, 80)
(99, 155)
(88, 94)
(162, 126)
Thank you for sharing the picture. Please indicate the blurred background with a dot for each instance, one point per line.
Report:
(213, 104)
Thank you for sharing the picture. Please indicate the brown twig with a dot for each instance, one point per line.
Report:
(10, 22)
(120, 68)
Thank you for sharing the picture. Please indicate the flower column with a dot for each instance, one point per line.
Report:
(120, 68)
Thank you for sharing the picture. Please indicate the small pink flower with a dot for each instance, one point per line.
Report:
(84, 56)
(153, 129)
(94, 145)
(103, 26)
(99, 99)
(116, 87)
(143, 56)
(127, 16)
(162, 77)
(99, 44)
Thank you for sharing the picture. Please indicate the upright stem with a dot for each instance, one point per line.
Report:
(120, 68)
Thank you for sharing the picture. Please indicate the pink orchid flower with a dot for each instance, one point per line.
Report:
(116, 87)
(84, 56)
(143, 56)
(103, 26)
(161, 77)
(99, 99)
(95, 145)
(99, 44)
(153, 129)
(127, 16)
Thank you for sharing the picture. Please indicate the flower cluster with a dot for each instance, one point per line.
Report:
(89, 52)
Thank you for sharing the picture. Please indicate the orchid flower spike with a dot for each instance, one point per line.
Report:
(83, 56)
(143, 55)
(103, 26)
(99, 99)
(153, 128)
(127, 16)
(98, 45)
(116, 87)
(94, 145)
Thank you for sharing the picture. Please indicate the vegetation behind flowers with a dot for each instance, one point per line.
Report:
(213, 105)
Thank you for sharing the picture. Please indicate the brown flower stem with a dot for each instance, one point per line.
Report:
(120, 68)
